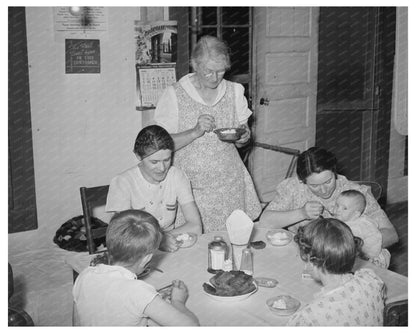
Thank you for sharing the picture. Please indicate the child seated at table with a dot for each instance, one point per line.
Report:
(349, 208)
(346, 299)
(111, 295)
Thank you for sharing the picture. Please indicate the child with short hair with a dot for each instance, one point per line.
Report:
(346, 299)
(111, 295)
(349, 208)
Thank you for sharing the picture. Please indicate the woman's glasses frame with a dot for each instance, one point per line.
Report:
(209, 73)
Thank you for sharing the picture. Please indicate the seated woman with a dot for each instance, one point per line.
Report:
(313, 193)
(156, 187)
(346, 299)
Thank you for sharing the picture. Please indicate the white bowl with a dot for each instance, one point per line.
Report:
(188, 239)
(292, 305)
(232, 298)
(279, 237)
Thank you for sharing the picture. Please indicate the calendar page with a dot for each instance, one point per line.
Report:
(152, 82)
(156, 55)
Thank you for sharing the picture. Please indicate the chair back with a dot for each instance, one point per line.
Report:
(376, 188)
(395, 313)
(92, 197)
(16, 317)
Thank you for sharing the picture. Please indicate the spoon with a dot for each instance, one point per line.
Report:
(165, 287)
(329, 212)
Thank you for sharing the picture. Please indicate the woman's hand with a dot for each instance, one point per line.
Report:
(312, 210)
(169, 243)
(179, 291)
(205, 123)
(245, 137)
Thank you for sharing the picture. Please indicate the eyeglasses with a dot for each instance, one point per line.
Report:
(208, 73)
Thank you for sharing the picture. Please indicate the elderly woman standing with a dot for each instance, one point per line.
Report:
(190, 110)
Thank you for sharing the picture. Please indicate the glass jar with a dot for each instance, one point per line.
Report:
(217, 254)
(247, 262)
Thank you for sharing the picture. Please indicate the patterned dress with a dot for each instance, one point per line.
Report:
(219, 179)
(358, 302)
(291, 194)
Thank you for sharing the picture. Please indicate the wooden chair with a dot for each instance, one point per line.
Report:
(396, 313)
(93, 197)
(376, 188)
(290, 151)
(16, 317)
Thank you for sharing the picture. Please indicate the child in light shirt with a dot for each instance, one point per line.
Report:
(346, 299)
(111, 295)
(349, 208)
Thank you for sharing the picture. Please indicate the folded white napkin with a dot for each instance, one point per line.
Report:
(239, 227)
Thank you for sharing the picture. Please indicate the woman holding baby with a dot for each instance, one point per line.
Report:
(313, 193)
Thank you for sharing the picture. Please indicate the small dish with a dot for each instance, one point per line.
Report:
(279, 237)
(266, 282)
(283, 305)
(188, 239)
(229, 134)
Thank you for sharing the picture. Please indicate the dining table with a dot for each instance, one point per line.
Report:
(281, 263)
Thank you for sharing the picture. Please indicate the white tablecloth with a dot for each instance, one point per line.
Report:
(280, 263)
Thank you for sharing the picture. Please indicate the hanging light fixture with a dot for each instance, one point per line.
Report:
(83, 13)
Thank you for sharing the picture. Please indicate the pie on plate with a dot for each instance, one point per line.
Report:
(230, 286)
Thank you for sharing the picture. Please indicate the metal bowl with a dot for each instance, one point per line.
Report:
(229, 134)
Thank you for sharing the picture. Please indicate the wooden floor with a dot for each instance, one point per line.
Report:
(398, 214)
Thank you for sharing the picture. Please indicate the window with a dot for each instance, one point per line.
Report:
(234, 26)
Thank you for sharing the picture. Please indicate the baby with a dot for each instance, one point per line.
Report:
(349, 208)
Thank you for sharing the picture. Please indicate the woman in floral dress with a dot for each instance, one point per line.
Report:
(190, 110)
(313, 192)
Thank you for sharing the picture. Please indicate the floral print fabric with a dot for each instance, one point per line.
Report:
(358, 302)
(219, 179)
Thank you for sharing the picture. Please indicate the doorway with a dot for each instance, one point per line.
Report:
(21, 178)
(355, 73)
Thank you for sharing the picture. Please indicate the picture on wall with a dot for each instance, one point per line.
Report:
(156, 42)
(155, 58)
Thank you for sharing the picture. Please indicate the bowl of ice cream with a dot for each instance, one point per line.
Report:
(283, 305)
(187, 239)
(279, 237)
(229, 134)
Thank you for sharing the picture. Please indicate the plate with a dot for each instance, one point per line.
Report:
(232, 298)
(186, 242)
(229, 134)
(292, 305)
(279, 237)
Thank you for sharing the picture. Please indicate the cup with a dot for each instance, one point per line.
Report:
(237, 252)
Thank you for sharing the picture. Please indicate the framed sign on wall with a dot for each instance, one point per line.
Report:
(82, 56)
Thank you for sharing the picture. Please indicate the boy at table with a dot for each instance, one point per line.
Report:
(346, 299)
(157, 187)
(349, 208)
(111, 295)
